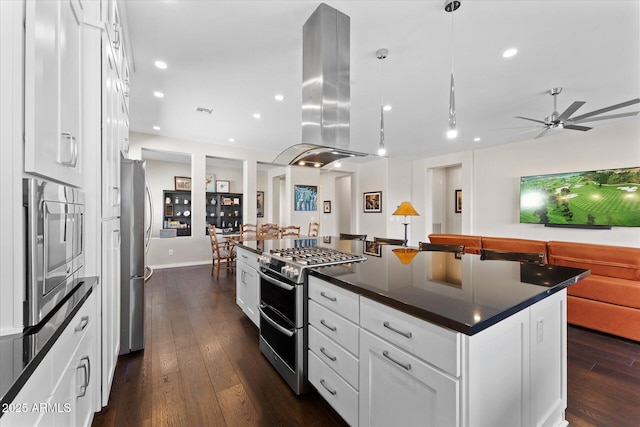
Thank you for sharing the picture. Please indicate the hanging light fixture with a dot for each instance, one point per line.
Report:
(452, 132)
(381, 54)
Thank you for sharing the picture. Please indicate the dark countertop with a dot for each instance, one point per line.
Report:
(23, 352)
(464, 293)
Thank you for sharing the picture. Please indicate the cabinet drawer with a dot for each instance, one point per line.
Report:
(68, 341)
(334, 389)
(336, 357)
(248, 257)
(336, 299)
(335, 327)
(431, 343)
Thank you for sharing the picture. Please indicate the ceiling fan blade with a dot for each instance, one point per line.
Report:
(604, 110)
(576, 127)
(532, 120)
(569, 111)
(611, 116)
(541, 134)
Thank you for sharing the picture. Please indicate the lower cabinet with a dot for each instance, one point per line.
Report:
(397, 388)
(248, 285)
(61, 391)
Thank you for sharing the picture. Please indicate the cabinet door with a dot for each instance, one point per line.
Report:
(252, 281)
(400, 390)
(110, 303)
(110, 149)
(53, 40)
(241, 285)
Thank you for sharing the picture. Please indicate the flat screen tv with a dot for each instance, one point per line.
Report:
(600, 198)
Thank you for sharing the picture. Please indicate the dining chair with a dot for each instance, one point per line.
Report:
(314, 229)
(249, 230)
(290, 230)
(347, 236)
(269, 231)
(222, 253)
(440, 247)
(387, 241)
(533, 257)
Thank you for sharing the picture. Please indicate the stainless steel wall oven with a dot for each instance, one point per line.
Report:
(54, 219)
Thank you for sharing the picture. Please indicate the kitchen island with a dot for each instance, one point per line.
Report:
(436, 339)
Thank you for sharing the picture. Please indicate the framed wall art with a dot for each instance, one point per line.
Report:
(372, 201)
(372, 248)
(222, 186)
(305, 197)
(182, 183)
(458, 200)
(260, 204)
(327, 206)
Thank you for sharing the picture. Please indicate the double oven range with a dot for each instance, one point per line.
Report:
(283, 301)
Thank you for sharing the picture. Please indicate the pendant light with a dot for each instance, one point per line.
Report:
(381, 54)
(451, 6)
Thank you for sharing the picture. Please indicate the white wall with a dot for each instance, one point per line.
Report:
(490, 180)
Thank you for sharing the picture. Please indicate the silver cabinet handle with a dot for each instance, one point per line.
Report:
(397, 331)
(331, 328)
(406, 366)
(84, 321)
(86, 367)
(116, 30)
(330, 390)
(334, 299)
(73, 150)
(332, 358)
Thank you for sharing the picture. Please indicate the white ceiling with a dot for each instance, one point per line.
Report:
(234, 56)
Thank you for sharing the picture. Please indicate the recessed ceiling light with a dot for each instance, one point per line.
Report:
(317, 165)
(279, 97)
(509, 52)
(257, 115)
(158, 94)
(156, 128)
(301, 163)
(387, 108)
(161, 64)
(476, 139)
(232, 140)
(338, 164)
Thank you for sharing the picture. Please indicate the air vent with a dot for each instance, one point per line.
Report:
(204, 110)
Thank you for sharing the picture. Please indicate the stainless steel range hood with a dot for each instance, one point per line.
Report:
(325, 91)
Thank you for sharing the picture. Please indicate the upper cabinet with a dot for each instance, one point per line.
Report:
(53, 92)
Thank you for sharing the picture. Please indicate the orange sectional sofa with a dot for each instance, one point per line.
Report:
(607, 301)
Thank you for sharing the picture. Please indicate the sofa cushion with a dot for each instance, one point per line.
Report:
(612, 290)
(602, 260)
(472, 244)
(610, 318)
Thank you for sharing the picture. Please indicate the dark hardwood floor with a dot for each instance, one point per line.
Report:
(202, 367)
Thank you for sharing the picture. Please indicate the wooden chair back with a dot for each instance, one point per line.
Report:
(222, 253)
(249, 230)
(289, 231)
(314, 229)
(269, 231)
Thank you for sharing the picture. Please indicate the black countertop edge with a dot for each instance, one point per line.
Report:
(35, 362)
(443, 321)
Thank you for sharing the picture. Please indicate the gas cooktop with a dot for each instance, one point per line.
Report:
(315, 256)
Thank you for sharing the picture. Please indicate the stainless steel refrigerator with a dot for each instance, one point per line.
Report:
(132, 249)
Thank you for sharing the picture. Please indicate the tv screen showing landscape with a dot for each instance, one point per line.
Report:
(608, 197)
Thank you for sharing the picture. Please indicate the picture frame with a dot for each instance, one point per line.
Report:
(458, 201)
(222, 186)
(182, 183)
(305, 197)
(372, 248)
(260, 204)
(327, 206)
(372, 202)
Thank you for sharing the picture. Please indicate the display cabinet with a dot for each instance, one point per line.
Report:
(224, 211)
(177, 211)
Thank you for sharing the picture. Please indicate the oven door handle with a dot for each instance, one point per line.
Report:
(273, 323)
(275, 282)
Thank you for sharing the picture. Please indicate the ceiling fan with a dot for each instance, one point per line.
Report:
(566, 121)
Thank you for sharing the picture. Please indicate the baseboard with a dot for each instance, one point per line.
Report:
(180, 264)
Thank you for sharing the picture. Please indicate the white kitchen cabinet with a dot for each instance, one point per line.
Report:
(397, 388)
(53, 93)
(111, 101)
(36, 390)
(110, 318)
(248, 284)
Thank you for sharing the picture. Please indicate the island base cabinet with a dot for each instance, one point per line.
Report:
(248, 285)
(335, 390)
(397, 389)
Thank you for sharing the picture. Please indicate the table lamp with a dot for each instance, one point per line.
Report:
(405, 209)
